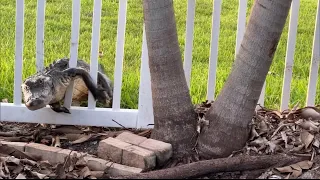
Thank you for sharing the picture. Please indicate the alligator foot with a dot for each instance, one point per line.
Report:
(58, 108)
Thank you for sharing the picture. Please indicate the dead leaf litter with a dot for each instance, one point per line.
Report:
(294, 132)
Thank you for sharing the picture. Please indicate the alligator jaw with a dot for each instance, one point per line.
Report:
(32, 106)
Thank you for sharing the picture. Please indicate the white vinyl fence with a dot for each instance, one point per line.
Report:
(143, 116)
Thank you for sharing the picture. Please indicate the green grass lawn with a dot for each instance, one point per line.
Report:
(57, 45)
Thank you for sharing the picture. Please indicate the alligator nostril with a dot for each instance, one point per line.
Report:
(29, 103)
(33, 102)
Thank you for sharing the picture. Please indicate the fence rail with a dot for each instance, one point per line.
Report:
(143, 116)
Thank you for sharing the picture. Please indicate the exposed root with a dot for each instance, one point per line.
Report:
(239, 163)
(181, 161)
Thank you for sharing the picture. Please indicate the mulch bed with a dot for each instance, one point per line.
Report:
(293, 132)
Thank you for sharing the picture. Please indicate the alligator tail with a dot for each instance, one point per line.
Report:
(73, 72)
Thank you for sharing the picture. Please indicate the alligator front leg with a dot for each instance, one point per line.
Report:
(58, 108)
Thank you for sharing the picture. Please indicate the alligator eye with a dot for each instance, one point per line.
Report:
(41, 81)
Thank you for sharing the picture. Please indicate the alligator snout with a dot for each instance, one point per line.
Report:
(34, 104)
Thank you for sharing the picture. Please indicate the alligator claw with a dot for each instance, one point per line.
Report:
(65, 110)
(57, 108)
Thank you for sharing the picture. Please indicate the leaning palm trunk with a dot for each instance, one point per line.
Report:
(231, 113)
(174, 116)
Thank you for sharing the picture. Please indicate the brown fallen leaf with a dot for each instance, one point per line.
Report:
(306, 138)
(60, 172)
(295, 173)
(21, 176)
(308, 125)
(82, 139)
(85, 172)
(285, 169)
(73, 137)
(310, 112)
(276, 114)
(305, 164)
(68, 129)
(17, 169)
(253, 134)
(295, 170)
(39, 175)
(316, 143)
(97, 174)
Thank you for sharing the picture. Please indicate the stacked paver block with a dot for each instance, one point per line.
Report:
(125, 153)
(18, 145)
(133, 150)
(56, 155)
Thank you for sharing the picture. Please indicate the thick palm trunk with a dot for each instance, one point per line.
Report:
(232, 111)
(174, 116)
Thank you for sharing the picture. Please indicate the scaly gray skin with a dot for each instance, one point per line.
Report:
(48, 87)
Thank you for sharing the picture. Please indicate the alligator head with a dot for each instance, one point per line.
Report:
(37, 91)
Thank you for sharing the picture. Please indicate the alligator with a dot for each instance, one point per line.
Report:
(49, 85)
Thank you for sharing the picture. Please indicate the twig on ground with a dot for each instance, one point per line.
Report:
(121, 125)
(279, 128)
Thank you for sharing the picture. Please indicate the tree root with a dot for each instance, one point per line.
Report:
(239, 163)
(181, 161)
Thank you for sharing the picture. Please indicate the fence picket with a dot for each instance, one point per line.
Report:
(241, 25)
(214, 49)
(75, 28)
(314, 66)
(189, 40)
(96, 21)
(40, 34)
(144, 114)
(18, 51)
(145, 111)
(119, 54)
(293, 25)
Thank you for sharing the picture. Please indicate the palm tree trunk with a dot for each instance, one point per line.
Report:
(174, 116)
(233, 109)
